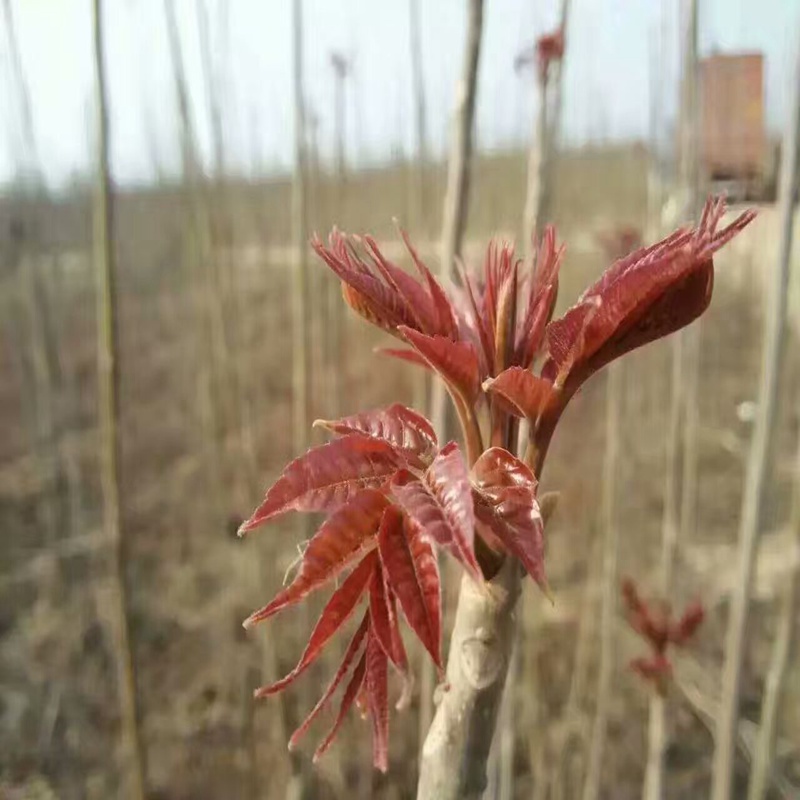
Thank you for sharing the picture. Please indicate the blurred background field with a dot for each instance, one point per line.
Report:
(199, 246)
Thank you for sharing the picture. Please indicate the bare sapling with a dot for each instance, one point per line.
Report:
(219, 220)
(196, 258)
(333, 339)
(546, 56)
(459, 169)
(24, 256)
(301, 329)
(392, 492)
(418, 194)
(133, 772)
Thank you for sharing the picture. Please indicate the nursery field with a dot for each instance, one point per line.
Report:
(192, 582)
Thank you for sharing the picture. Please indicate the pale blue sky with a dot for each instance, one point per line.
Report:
(606, 90)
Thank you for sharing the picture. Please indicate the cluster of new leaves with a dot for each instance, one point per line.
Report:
(659, 628)
(499, 323)
(390, 495)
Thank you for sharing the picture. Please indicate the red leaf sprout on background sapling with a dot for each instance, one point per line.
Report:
(661, 630)
(392, 494)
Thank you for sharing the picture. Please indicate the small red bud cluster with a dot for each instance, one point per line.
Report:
(654, 622)
(549, 49)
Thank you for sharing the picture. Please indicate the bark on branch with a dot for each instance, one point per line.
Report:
(456, 750)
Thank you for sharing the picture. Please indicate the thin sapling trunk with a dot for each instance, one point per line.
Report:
(133, 771)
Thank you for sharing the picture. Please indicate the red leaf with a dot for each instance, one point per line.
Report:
(404, 429)
(521, 392)
(345, 536)
(476, 324)
(417, 298)
(336, 612)
(643, 258)
(411, 356)
(368, 310)
(378, 701)
(506, 502)
(413, 574)
(633, 600)
(651, 623)
(381, 619)
(456, 362)
(548, 262)
(498, 469)
(352, 651)
(531, 330)
(326, 477)
(350, 693)
(625, 319)
(441, 504)
(380, 304)
(678, 306)
(649, 294)
(542, 292)
(565, 339)
(391, 640)
(446, 318)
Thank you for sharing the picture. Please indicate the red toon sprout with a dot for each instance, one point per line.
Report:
(390, 495)
(655, 624)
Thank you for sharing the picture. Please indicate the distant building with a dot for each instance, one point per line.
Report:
(734, 151)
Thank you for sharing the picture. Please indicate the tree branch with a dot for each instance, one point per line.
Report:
(456, 750)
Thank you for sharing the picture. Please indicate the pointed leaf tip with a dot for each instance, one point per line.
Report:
(353, 649)
(337, 611)
(346, 536)
(544, 586)
(326, 477)
(357, 679)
